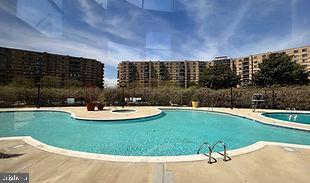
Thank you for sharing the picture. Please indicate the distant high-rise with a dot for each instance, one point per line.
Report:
(15, 63)
(248, 65)
(157, 73)
(187, 73)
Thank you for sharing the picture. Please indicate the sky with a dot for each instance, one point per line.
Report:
(118, 30)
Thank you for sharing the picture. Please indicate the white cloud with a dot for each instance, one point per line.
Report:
(274, 43)
(95, 41)
(110, 82)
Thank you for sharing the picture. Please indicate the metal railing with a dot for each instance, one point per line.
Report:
(209, 153)
(112, 106)
(226, 157)
(211, 149)
(291, 117)
(210, 108)
(290, 109)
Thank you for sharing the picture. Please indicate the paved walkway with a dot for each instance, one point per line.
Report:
(258, 117)
(270, 164)
(106, 114)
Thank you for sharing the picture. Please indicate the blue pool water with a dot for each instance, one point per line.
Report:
(291, 117)
(171, 133)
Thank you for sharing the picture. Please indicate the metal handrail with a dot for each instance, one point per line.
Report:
(210, 151)
(291, 109)
(113, 107)
(226, 157)
(294, 116)
(210, 108)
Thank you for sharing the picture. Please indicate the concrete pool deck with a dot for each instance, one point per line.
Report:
(106, 114)
(269, 164)
(257, 115)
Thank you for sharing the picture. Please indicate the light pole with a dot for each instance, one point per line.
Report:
(231, 94)
(231, 98)
(123, 85)
(37, 80)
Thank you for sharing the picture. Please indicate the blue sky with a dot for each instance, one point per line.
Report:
(116, 30)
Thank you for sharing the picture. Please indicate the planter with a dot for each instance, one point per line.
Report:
(91, 106)
(195, 104)
(100, 107)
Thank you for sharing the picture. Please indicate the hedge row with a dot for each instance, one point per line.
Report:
(276, 97)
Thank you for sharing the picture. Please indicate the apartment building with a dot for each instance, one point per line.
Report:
(16, 63)
(247, 66)
(221, 60)
(156, 73)
(187, 73)
(224, 60)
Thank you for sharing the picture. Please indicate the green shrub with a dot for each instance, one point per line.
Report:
(276, 97)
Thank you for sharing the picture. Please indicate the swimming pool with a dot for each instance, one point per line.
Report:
(303, 118)
(172, 133)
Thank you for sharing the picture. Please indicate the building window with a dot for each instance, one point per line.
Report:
(304, 55)
(295, 51)
(304, 50)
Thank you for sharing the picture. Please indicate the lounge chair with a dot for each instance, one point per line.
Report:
(173, 104)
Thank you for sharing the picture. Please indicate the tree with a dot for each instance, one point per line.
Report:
(219, 76)
(168, 83)
(52, 82)
(22, 82)
(202, 78)
(278, 69)
(134, 84)
(71, 83)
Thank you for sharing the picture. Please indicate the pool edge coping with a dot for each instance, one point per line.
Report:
(290, 124)
(147, 159)
(282, 123)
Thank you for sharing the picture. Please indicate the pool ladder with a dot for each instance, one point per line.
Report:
(292, 116)
(210, 108)
(291, 109)
(211, 149)
(112, 106)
